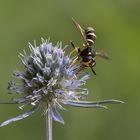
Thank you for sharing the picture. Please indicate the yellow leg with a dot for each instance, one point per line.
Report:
(74, 61)
(86, 65)
(81, 69)
(76, 49)
(72, 52)
(65, 47)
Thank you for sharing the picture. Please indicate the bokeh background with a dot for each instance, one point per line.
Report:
(117, 23)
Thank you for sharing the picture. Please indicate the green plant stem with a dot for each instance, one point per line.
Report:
(49, 124)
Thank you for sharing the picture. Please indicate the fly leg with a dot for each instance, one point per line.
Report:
(77, 50)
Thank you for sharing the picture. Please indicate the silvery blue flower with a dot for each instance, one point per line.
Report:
(48, 80)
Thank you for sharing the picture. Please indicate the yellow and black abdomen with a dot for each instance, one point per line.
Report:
(90, 35)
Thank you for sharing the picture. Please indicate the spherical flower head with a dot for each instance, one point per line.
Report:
(48, 76)
(49, 80)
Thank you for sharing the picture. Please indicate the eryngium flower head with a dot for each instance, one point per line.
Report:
(49, 80)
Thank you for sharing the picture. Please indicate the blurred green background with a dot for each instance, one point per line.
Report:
(117, 23)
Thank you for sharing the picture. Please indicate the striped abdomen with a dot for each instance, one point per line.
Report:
(90, 35)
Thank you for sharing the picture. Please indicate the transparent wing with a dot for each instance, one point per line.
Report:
(82, 32)
(102, 54)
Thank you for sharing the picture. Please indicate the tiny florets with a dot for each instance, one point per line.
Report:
(49, 80)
